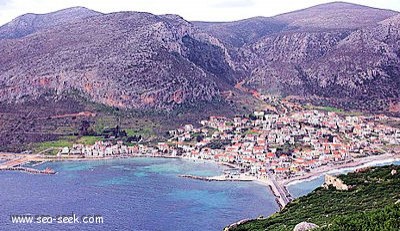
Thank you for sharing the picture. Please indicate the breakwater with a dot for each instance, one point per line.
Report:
(214, 178)
(46, 171)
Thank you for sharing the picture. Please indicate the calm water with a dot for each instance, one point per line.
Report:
(305, 187)
(132, 194)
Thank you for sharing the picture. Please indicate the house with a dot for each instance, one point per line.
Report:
(259, 114)
(94, 153)
(281, 171)
(163, 147)
(65, 151)
(258, 150)
(188, 127)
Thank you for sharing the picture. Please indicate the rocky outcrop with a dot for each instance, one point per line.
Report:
(236, 224)
(304, 226)
(335, 182)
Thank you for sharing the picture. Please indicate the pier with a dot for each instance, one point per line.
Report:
(16, 162)
(215, 178)
(282, 196)
(46, 171)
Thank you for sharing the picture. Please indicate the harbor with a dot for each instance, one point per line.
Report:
(18, 162)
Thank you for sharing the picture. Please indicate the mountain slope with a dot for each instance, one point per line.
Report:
(336, 54)
(242, 32)
(340, 51)
(325, 17)
(134, 60)
(355, 65)
(31, 23)
(335, 15)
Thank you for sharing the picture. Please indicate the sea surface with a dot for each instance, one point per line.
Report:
(305, 187)
(132, 194)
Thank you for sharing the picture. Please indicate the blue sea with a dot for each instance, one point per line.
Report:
(136, 194)
(305, 187)
(131, 194)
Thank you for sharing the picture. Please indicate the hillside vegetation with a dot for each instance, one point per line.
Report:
(369, 205)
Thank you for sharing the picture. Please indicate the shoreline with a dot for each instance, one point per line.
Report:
(317, 172)
(278, 187)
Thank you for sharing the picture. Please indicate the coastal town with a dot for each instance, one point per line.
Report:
(286, 145)
(272, 148)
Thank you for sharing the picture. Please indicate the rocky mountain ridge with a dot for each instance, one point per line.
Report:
(30, 23)
(341, 52)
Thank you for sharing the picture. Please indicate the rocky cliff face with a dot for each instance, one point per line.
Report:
(334, 51)
(354, 64)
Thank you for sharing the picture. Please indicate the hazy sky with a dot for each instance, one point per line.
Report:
(205, 10)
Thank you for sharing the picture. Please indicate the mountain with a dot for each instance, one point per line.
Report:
(352, 65)
(335, 15)
(324, 17)
(341, 54)
(133, 60)
(31, 23)
(340, 51)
